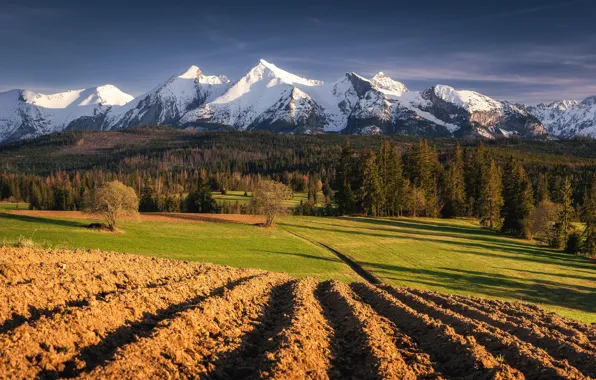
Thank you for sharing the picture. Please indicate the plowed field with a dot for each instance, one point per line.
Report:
(92, 314)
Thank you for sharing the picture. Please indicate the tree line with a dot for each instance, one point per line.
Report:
(470, 183)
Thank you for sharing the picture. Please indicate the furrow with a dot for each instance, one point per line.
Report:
(251, 359)
(49, 346)
(302, 350)
(533, 362)
(551, 341)
(54, 286)
(522, 313)
(378, 338)
(190, 345)
(453, 355)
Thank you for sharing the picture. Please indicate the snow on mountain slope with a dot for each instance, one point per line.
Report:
(25, 113)
(387, 85)
(270, 98)
(105, 95)
(264, 86)
(168, 102)
(469, 100)
(567, 118)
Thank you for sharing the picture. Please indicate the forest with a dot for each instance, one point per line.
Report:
(544, 190)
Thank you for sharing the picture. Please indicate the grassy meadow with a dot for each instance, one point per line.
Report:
(454, 256)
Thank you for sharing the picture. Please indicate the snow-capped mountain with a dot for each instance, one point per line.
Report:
(168, 102)
(270, 98)
(265, 96)
(25, 113)
(568, 118)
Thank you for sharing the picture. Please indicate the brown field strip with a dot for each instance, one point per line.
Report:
(92, 314)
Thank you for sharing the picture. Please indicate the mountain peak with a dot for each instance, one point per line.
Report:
(107, 94)
(192, 73)
(388, 85)
(589, 101)
(273, 71)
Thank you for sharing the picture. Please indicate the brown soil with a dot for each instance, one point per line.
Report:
(151, 217)
(92, 314)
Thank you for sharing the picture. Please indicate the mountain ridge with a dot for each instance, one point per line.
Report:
(270, 98)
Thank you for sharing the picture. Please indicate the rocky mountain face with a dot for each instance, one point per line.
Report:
(567, 118)
(270, 98)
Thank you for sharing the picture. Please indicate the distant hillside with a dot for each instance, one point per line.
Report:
(241, 151)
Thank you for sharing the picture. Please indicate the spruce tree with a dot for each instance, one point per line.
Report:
(518, 200)
(454, 186)
(423, 168)
(588, 216)
(147, 201)
(200, 199)
(345, 198)
(396, 196)
(563, 226)
(384, 164)
(542, 192)
(491, 197)
(373, 197)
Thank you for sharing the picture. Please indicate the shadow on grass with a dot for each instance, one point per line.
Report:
(303, 255)
(511, 249)
(36, 219)
(494, 285)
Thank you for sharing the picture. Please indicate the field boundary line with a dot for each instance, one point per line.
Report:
(357, 268)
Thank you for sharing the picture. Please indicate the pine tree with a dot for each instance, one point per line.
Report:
(518, 200)
(491, 197)
(454, 182)
(373, 197)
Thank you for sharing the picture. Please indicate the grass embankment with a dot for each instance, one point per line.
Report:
(239, 245)
(453, 256)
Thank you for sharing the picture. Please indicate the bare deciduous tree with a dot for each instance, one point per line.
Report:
(268, 198)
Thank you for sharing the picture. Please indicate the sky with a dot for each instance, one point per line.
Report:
(524, 51)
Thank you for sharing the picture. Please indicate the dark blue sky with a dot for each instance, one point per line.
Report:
(528, 51)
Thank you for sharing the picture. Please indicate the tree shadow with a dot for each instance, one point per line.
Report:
(521, 251)
(546, 292)
(303, 255)
(36, 219)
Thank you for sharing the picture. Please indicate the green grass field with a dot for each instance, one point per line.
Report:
(13, 206)
(458, 256)
(455, 256)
